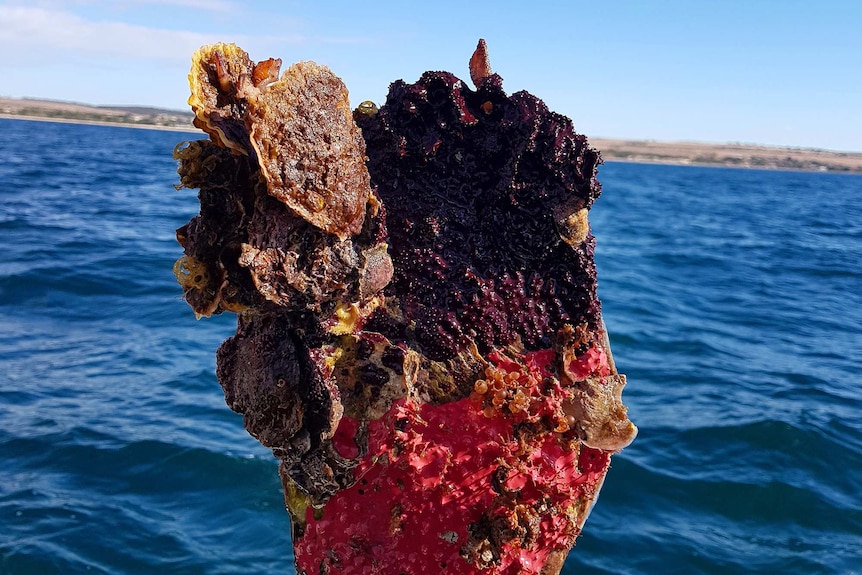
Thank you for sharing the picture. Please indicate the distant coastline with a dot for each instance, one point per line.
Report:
(140, 126)
(129, 116)
(729, 155)
(643, 151)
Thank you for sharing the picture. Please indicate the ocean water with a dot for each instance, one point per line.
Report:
(733, 299)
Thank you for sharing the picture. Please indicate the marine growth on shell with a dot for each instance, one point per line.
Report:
(418, 337)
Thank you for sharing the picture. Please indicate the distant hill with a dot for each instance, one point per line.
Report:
(148, 111)
(729, 155)
(71, 111)
(684, 153)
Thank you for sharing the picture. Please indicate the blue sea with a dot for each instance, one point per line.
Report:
(733, 299)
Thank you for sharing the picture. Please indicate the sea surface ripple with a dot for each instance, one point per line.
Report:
(733, 299)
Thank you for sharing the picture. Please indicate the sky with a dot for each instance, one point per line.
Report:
(774, 72)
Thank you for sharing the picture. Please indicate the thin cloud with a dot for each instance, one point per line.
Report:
(216, 6)
(211, 5)
(37, 34)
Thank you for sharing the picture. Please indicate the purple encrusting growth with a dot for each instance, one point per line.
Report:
(471, 181)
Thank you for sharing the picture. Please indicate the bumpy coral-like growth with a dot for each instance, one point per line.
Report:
(419, 343)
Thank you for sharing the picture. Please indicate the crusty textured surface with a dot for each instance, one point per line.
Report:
(419, 342)
(311, 153)
(298, 126)
(280, 147)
